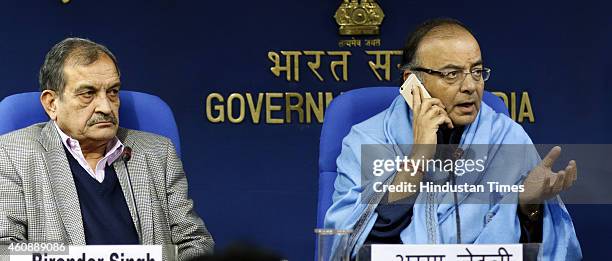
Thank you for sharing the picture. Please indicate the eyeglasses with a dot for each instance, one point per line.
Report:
(455, 76)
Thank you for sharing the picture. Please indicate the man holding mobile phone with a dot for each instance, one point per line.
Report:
(445, 57)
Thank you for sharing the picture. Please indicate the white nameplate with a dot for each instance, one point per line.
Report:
(97, 253)
(463, 252)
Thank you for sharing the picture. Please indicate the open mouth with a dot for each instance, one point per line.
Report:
(466, 107)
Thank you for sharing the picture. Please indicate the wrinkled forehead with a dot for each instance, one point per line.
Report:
(448, 45)
(101, 73)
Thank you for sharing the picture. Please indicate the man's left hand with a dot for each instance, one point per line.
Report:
(542, 183)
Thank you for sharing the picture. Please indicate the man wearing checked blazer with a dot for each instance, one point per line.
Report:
(66, 180)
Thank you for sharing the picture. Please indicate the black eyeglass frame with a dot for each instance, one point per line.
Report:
(485, 73)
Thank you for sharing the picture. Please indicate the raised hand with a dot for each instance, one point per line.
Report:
(542, 183)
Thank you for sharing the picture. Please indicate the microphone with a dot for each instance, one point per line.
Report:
(126, 156)
(457, 154)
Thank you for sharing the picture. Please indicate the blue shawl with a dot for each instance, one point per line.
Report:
(433, 219)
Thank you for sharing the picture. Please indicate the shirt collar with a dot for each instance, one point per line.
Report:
(114, 148)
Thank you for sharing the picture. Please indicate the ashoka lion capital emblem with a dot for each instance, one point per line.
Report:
(359, 17)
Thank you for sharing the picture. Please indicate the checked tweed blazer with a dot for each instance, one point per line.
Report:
(39, 201)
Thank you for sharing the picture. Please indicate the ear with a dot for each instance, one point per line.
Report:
(48, 99)
(405, 74)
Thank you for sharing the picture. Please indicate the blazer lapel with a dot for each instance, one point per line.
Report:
(138, 194)
(62, 184)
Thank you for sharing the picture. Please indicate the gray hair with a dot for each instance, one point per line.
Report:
(76, 50)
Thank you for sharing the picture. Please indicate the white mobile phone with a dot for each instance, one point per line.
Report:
(406, 89)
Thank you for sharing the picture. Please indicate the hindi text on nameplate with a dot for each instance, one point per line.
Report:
(462, 252)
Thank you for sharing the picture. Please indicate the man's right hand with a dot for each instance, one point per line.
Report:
(427, 116)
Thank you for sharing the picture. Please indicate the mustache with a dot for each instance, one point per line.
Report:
(97, 118)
